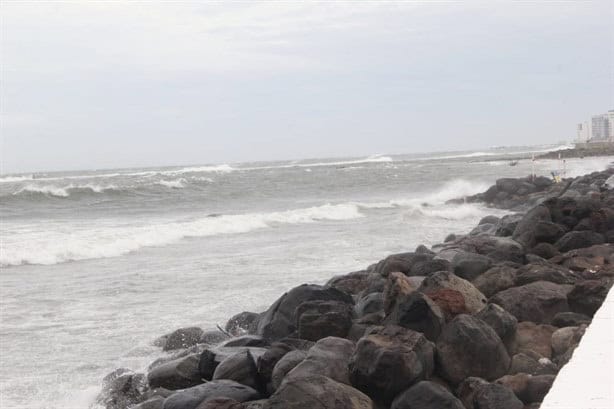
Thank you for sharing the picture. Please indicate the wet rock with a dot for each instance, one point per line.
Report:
(578, 239)
(474, 299)
(501, 321)
(489, 220)
(496, 279)
(352, 283)
(214, 337)
(242, 323)
(532, 365)
(177, 374)
(317, 392)
(545, 272)
(470, 265)
(426, 395)
(496, 396)
(240, 368)
(538, 302)
(328, 357)
(368, 304)
(320, 319)
(220, 403)
(534, 337)
(417, 312)
(467, 347)
(153, 403)
(122, 389)
(467, 390)
(548, 232)
(400, 263)
(525, 230)
(280, 319)
(587, 296)
(545, 250)
(389, 359)
(190, 398)
(285, 365)
(450, 302)
(268, 360)
(427, 267)
(246, 341)
(398, 286)
(565, 339)
(210, 358)
(570, 319)
(528, 388)
(183, 338)
(507, 225)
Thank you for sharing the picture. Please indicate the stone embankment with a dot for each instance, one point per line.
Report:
(484, 320)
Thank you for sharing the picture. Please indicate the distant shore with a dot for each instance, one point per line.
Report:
(581, 152)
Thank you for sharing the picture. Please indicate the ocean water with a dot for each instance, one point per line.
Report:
(97, 264)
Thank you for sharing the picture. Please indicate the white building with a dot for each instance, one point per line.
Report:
(611, 120)
(583, 133)
(600, 128)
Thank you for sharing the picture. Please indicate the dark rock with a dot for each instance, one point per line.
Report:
(246, 341)
(426, 395)
(501, 321)
(489, 220)
(570, 319)
(534, 338)
(427, 267)
(328, 357)
(506, 226)
(470, 265)
(578, 239)
(532, 365)
(417, 312)
(399, 263)
(496, 396)
(190, 398)
(320, 319)
(183, 338)
(544, 272)
(210, 358)
(467, 347)
(242, 323)
(177, 374)
(280, 319)
(422, 249)
(525, 230)
(528, 388)
(220, 403)
(538, 302)
(565, 339)
(496, 279)
(545, 250)
(548, 232)
(474, 299)
(587, 296)
(240, 368)
(122, 389)
(467, 390)
(390, 359)
(352, 283)
(153, 403)
(397, 287)
(317, 392)
(285, 365)
(214, 337)
(269, 359)
(368, 304)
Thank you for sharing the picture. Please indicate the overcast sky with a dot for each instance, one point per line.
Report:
(116, 84)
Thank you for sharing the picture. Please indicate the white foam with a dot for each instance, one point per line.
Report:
(13, 179)
(53, 245)
(63, 191)
(173, 184)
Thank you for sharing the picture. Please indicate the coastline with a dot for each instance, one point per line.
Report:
(317, 341)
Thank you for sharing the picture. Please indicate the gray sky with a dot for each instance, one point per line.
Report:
(115, 84)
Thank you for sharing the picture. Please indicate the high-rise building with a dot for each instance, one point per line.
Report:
(611, 121)
(600, 127)
(583, 133)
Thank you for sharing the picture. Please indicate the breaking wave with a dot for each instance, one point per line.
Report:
(63, 191)
(173, 184)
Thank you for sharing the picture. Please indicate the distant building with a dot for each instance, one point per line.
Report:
(611, 121)
(600, 128)
(583, 132)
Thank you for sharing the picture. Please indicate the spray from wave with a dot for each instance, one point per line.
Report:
(62, 191)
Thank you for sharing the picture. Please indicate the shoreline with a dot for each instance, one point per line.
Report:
(316, 342)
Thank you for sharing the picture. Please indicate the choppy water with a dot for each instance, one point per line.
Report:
(95, 265)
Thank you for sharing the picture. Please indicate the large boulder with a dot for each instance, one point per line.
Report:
(240, 367)
(177, 374)
(287, 363)
(501, 321)
(210, 358)
(389, 359)
(190, 398)
(467, 347)
(428, 267)
(182, 338)
(526, 387)
(280, 319)
(317, 392)
(578, 239)
(320, 319)
(548, 232)
(545, 272)
(532, 364)
(538, 302)
(121, 389)
(587, 296)
(525, 230)
(426, 395)
(398, 286)
(417, 312)
(242, 323)
(534, 338)
(498, 278)
(496, 396)
(328, 357)
(474, 299)
(402, 263)
(370, 303)
(470, 265)
(565, 340)
(352, 283)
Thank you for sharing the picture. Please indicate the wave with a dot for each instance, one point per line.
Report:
(14, 179)
(102, 242)
(173, 184)
(369, 159)
(62, 191)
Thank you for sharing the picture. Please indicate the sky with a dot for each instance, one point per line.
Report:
(88, 84)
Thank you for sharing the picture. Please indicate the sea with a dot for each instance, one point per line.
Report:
(96, 264)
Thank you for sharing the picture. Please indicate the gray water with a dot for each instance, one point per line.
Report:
(97, 264)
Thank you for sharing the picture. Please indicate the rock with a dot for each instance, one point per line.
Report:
(427, 267)
(422, 249)
(214, 337)
(528, 388)
(246, 341)
(190, 398)
(534, 337)
(240, 368)
(467, 390)
(548, 232)
(389, 359)
(586, 297)
(498, 278)
(426, 395)
(564, 339)
(288, 362)
(525, 363)
(501, 321)
(525, 230)
(352, 283)
(328, 357)
(398, 286)
(280, 319)
(545, 250)
(417, 312)
(153, 403)
(538, 302)
(570, 319)
(177, 374)
(266, 363)
(255, 404)
(368, 304)
(320, 319)
(242, 323)
(489, 220)
(506, 226)
(210, 358)
(399, 263)
(183, 338)
(509, 185)
(474, 299)
(317, 392)
(578, 239)
(544, 272)
(470, 265)
(450, 302)
(467, 347)
(496, 396)
(122, 389)
(220, 403)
